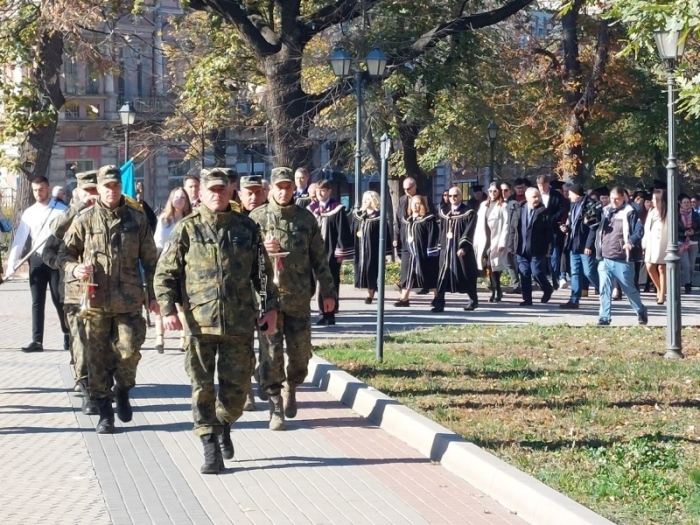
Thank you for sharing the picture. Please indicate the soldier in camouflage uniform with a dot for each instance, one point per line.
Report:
(213, 256)
(290, 228)
(106, 243)
(84, 196)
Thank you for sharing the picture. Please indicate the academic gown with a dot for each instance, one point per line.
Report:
(419, 257)
(457, 274)
(365, 230)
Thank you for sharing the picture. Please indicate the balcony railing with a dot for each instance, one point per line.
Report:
(147, 105)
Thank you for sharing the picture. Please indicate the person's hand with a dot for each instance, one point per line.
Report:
(328, 305)
(153, 306)
(339, 259)
(83, 271)
(272, 245)
(460, 252)
(564, 228)
(88, 199)
(588, 252)
(689, 233)
(628, 247)
(172, 323)
(269, 318)
(395, 243)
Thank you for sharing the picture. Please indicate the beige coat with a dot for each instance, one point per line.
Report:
(495, 237)
(655, 238)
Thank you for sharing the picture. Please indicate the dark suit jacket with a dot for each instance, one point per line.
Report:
(533, 239)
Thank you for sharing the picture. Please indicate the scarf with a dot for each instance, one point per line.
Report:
(687, 218)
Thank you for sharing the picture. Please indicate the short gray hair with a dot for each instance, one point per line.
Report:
(531, 191)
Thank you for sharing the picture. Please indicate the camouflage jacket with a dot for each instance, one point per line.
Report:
(117, 241)
(298, 233)
(70, 292)
(209, 265)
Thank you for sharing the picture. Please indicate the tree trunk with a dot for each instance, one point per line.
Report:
(35, 146)
(408, 134)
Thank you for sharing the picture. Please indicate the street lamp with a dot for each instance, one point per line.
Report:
(492, 130)
(341, 63)
(670, 46)
(127, 114)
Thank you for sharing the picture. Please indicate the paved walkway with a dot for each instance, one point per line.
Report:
(331, 467)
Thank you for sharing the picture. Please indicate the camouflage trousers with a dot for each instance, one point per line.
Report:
(78, 340)
(114, 342)
(296, 332)
(233, 360)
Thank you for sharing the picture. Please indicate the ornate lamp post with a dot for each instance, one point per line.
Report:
(492, 130)
(341, 63)
(671, 46)
(127, 114)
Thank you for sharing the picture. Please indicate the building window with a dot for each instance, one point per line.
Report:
(70, 74)
(92, 85)
(71, 110)
(251, 159)
(177, 170)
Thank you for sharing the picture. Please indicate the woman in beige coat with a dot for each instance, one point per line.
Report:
(490, 237)
(654, 244)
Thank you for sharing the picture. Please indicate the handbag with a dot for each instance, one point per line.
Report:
(5, 225)
(684, 247)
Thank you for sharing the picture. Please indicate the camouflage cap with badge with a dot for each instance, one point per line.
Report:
(213, 177)
(282, 175)
(87, 179)
(251, 181)
(108, 174)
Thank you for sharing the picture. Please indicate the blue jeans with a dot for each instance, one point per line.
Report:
(555, 263)
(583, 272)
(623, 271)
(530, 267)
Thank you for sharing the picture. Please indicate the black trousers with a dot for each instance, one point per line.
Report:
(334, 265)
(39, 276)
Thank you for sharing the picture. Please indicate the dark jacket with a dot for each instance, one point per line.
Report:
(682, 228)
(582, 228)
(529, 240)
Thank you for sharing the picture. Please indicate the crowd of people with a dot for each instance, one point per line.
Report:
(227, 258)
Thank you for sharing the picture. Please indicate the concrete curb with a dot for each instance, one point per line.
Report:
(532, 500)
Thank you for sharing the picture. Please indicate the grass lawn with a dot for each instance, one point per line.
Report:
(595, 413)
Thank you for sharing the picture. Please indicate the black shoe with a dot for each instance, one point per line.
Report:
(261, 393)
(473, 305)
(492, 299)
(368, 300)
(66, 342)
(603, 322)
(402, 304)
(555, 285)
(546, 297)
(213, 460)
(437, 309)
(225, 442)
(33, 347)
(688, 289)
(124, 411)
(89, 407)
(290, 403)
(643, 318)
(106, 423)
(569, 306)
(517, 290)
(326, 321)
(525, 303)
(423, 291)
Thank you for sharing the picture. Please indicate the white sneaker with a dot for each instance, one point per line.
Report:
(563, 284)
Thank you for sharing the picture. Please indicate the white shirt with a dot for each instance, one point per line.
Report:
(36, 221)
(163, 232)
(545, 199)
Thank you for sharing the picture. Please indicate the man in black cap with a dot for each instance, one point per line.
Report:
(580, 230)
(477, 197)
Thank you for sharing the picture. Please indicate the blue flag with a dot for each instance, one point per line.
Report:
(128, 183)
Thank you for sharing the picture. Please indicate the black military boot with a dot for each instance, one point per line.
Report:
(106, 423)
(290, 403)
(276, 412)
(90, 407)
(81, 387)
(226, 443)
(124, 411)
(213, 461)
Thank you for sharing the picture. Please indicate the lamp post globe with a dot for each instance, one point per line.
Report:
(340, 62)
(492, 131)
(376, 62)
(127, 115)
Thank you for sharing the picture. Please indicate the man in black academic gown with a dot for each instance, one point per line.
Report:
(476, 198)
(335, 230)
(458, 270)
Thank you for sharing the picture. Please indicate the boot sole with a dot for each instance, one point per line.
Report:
(105, 430)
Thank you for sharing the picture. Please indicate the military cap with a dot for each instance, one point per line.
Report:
(87, 179)
(250, 181)
(282, 175)
(107, 174)
(213, 177)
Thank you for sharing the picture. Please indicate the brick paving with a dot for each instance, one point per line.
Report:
(330, 467)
